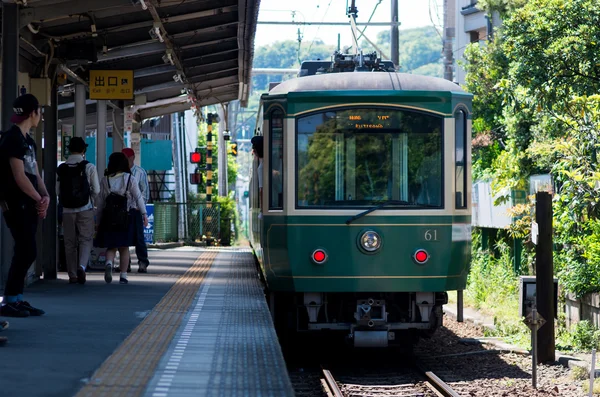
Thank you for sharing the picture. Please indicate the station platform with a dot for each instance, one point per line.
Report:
(196, 324)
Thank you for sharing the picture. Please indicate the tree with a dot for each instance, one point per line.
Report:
(555, 46)
(536, 86)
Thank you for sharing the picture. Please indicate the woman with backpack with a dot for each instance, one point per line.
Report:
(119, 197)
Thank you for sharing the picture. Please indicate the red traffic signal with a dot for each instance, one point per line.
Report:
(195, 157)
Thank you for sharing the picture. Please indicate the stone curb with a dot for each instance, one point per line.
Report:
(165, 246)
(563, 359)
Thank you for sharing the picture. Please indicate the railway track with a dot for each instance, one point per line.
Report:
(408, 386)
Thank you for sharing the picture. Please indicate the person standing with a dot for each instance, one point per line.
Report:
(141, 176)
(23, 199)
(119, 197)
(77, 186)
(258, 151)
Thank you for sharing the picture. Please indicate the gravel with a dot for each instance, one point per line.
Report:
(489, 374)
(471, 368)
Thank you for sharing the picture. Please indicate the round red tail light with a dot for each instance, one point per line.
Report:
(319, 256)
(421, 256)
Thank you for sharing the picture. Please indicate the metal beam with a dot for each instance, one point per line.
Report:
(162, 110)
(257, 71)
(199, 32)
(212, 54)
(212, 84)
(324, 23)
(132, 50)
(221, 65)
(159, 87)
(199, 14)
(61, 10)
(179, 107)
(205, 43)
(153, 71)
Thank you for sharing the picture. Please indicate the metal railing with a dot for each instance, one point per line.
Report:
(189, 222)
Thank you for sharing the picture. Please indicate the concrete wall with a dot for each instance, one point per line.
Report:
(585, 308)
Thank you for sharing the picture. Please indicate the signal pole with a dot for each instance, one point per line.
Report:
(394, 35)
(210, 119)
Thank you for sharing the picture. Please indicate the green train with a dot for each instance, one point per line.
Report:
(364, 221)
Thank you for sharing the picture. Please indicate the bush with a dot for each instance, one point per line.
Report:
(582, 337)
(228, 213)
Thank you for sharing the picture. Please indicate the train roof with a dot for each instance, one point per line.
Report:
(366, 81)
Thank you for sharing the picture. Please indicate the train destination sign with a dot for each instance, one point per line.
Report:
(367, 119)
(111, 84)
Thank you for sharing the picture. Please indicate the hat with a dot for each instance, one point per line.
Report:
(77, 145)
(128, 152)
(23, 106)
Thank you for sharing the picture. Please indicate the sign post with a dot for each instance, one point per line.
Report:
(149, 230)
(534, 321)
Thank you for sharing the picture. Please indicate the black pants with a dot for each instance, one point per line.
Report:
(22, 220)
(141, 250)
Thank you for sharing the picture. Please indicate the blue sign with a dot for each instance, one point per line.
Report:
(149, 230)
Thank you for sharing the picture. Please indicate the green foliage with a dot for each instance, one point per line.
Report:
(504, 7)
(555, 44)
(583, 336)
(492, 287)
(420, 50)
(228, 216)
(536, 110)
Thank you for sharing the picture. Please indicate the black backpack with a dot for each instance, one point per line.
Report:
(74, 185)
(115, 216)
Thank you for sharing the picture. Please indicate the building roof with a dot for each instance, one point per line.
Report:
(182, 52)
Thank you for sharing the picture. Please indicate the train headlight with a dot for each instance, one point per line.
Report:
(370, 241)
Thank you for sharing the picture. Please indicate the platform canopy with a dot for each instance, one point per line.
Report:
(182, 52)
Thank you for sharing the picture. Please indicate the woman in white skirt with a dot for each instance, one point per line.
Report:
(119, 197)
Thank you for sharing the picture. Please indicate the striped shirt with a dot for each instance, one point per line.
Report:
(142, 177)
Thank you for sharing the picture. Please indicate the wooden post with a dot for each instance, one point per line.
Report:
(545, 277)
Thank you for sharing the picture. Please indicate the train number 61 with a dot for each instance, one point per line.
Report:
(431, 235)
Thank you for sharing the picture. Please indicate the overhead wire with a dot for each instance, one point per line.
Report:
(319, 27)
(433, 22)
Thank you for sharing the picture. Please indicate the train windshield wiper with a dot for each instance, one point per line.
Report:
(384, 204)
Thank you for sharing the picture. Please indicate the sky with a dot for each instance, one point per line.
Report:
(411, 13)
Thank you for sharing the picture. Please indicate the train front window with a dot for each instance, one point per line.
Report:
(363, 157)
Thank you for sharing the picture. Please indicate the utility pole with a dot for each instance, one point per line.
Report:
(544, 279)
(449, 34)
(394, 35)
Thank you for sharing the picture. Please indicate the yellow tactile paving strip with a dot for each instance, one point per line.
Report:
(129, 369)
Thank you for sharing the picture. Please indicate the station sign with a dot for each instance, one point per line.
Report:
(111, 84)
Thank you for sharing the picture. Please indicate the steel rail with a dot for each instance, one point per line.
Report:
(334, 389)
(436, 383)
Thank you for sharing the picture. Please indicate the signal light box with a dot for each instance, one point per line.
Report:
(195, 157)
(527, 295)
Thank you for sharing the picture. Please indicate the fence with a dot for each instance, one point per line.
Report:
(190, 222)
(585, 308)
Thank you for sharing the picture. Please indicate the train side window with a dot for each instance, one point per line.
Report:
(276, 161)
(460, 167)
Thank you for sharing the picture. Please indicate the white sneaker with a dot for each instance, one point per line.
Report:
(108, 273)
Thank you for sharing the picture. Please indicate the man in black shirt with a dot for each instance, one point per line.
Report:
(23, 200)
